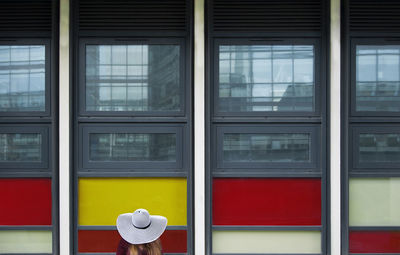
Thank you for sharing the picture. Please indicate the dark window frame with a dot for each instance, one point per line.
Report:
(30, 167)
(48, 78)
(354, 42)
(319, 83)
(181, 164)
(184, 78)
(375, 167)
(245, 167)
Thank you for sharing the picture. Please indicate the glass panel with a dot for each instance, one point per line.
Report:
(132, 147)
(113, 196)
(133, 78)
(275, 78)
(377, 242)
(266, 242)
(91, 241)
(374, 202)
(376, 148)
(281, 148)
(22, 78)
(23, 147)
(378, 78)
(268, 201)
(22, 195)
(25, 241)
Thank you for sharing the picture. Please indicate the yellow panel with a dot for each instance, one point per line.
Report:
(101, 200)
(374, 202)
(266, 242)
(25, 241)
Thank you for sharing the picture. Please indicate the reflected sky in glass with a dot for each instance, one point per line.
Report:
(133, 78)
(284, 148)
(266, 78)
(20, 147)
(377, 78)
(22, 78)
(132, 147)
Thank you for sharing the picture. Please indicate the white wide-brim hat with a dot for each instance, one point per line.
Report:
(140, 227)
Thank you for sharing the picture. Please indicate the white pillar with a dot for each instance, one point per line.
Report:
(199, 129)
(64, 129)
(335, 124)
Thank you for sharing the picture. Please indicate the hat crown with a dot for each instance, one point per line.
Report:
(141, 218)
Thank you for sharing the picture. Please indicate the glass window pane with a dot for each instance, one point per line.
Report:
(113, 196)
(231, 195)
(22, 78)
(106, 241)
(25, 241)
(22, 195)
(264, 242)
(376, 241)
(379, 148)
(280, 148)
(133, 78)
(132, 147)
(378, 78)
(374, 202)
(20, 147)
(266, 78)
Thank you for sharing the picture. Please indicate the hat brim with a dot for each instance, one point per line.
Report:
(135, 235)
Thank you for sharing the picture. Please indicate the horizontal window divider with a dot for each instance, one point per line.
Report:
(182, 173)
(270, 253)
(268, 228)
(270, 119)
(26, 227)
(113, 253)
(129, 115)
(25, 120)
(26, 174)
(125, 34)
(376, 173)
(264, 35)
(375, 120)
(141, 120)
(30, 253)
(107, 227)
(298, 174)
(374, 228)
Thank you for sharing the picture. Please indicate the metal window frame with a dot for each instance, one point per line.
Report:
(246, 167)
(376, 167)
(319, 83)
(46, 159)
(48, 76)
(183, 71)
(179, 165)
(354, 42)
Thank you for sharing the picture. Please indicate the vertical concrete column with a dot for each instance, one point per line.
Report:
(199, 129)
(335, 124)
(64, 129)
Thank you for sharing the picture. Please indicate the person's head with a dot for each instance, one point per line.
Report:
(142, 231)
(152, 248)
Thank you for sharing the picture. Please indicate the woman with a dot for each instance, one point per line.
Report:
(140, 233)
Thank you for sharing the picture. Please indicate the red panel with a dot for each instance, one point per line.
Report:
(25, 201)
(374, 241)
(266, 201)
(173, 241)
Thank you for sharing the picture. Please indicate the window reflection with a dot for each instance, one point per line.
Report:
(132, 78)
(132, 147)
(22, 78)
(20, 147)
(266, 78)
(267, 147)
(377, 78)
(379, 148)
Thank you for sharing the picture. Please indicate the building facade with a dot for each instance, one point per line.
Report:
(255, 127)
